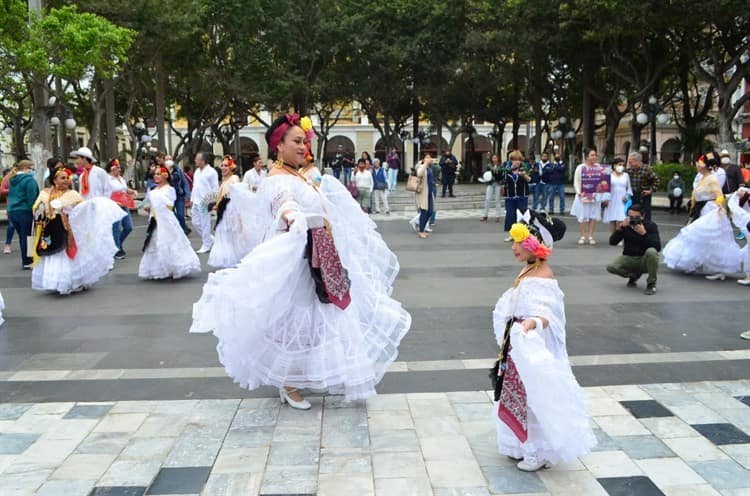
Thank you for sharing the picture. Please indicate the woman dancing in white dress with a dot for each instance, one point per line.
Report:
(233, 232)
(166, 250)
(539, 412)
(306, 308)
(73, 246)
(707, 243)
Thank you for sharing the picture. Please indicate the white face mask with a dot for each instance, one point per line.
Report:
(725, 160)
(676, 176)
(619, 169)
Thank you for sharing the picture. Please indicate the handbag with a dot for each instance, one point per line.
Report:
(414, 184)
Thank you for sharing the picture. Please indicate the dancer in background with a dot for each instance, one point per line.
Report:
(166, 250)
(739, 205)
(233, 234)
(205, 190)
(707, 243)
(74, 247)
(125, 198)
(320, 316)
(540, 413)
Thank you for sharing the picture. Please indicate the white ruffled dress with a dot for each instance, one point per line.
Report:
(271, 326)
(584, 211)
(237, 233)
(169, 253)
(707, 244)
(91, 222)
(741, 219)
(620, 188)
(2, 307)
(557, 423)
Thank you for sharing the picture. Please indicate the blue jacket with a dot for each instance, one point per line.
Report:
(22, 192)
(180, 182)
(379, 178)
(554, 173)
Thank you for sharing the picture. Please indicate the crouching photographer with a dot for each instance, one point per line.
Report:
(640, 253)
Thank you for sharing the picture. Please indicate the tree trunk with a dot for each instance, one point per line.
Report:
(724, 121)
(40, 142)
(110, 125)
(159, 101)
(587, 114)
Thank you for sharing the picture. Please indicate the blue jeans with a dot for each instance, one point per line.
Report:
(337, 172)
(22, 221)
(511, 205)
(559, 190)
(537, 194)
(122, 228)
(9, 233)
(392, 179)
(179, 212)
(347, 175)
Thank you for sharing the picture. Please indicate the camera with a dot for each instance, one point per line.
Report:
(635, 221)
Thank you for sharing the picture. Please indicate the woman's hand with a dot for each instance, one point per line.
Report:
(534, 323)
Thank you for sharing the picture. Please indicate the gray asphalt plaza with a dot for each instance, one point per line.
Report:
(105, 393)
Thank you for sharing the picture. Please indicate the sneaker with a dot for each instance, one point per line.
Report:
(650, 290)
(483, 219)
(740, 235)
(202, 250)
(509, 239)
(7, 250)
(716, 277)
(592, 241)
(531, 464)
(427, 228)
(581, 240)
(632, 282)
(120, 255)
(745, 335)
(28, 266)
(744, 282)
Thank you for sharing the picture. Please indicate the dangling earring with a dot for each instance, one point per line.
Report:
(279, 164)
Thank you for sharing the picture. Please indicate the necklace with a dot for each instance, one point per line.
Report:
(532, 266)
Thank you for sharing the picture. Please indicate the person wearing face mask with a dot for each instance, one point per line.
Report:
(707, 243)
(364, 182)
(621, 192)
(675, 190)
(321, 316)
(734, 178)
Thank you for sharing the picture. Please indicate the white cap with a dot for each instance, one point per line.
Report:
(724, 153)
(84, 151)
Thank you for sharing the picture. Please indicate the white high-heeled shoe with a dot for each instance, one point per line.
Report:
(716, 277)
(531, 464)
(299, 405)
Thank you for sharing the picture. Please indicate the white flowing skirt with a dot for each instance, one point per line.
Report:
(238, 232)
(91, 223)
(272, 328)
(615, 209)
(557, 423)
(706, 245)
(2, 307)
(169, 253)
(586, 211)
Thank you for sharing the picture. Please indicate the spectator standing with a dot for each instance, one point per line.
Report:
(675, 192)
(364, 182)
(734, 178)
(494, 187)
(620, 193)
(22, 194)
(516, 191)
(542, 184)
(393, 161)
(255, 176)
(347, 163)
(535, 183)
(337, 163)
(640, 252)
(182, 189)
(587, 209)
(448, 167)
(553, 175)
(644, 182)
(380, 188)
(4, 188)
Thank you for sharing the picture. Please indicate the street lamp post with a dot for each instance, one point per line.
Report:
(652, 112)
(60, 115)
(565, 134)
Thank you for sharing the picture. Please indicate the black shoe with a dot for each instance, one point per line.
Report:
(650, 290)
(28, 266)
(120, 255)
(632, 282)
(187, 233)
(453, 196)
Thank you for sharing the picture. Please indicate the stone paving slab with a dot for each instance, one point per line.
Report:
(655, 439)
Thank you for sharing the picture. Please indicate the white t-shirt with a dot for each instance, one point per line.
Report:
(253, 178)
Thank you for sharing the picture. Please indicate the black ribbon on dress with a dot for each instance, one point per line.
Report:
(149, 232)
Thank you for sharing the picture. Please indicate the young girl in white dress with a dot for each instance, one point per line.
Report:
(620, 191)
(166, 250)
(305, 309)
(707, 243)
(539, 412)
(73, 246)
(586, 210)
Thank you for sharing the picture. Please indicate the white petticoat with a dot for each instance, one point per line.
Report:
(169, 253)
(238, 231)
(585, 212)
(706, 245)
(91, 223)
(271, 326)
(2, 307)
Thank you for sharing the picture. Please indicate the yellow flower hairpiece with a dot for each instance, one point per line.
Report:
(306, 124)
(519, 232)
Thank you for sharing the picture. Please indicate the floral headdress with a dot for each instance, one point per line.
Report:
(279, 128)
(537, 235)
(230, 161)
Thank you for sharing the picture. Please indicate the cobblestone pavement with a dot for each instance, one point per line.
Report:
(671, 439)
